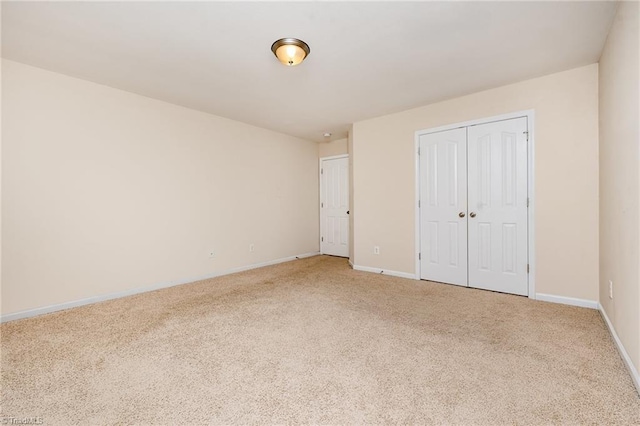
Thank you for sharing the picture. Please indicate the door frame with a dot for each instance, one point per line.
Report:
(530, 115)
(320, 160)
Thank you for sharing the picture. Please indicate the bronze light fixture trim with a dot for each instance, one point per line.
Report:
(290, 51)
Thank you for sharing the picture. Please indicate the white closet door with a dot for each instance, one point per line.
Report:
(334, 199)
(443, 199)
(497, 154)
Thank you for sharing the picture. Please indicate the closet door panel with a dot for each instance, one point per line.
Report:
(497, 197)
(443, 195)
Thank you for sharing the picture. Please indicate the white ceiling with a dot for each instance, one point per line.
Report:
(367, 59)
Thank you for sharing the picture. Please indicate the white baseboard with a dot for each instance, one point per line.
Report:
(635, 377)
(384, 272)
(583, 303)
(95, 299)
(351, 263)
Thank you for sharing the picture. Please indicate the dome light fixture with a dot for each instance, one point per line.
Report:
(290, 51)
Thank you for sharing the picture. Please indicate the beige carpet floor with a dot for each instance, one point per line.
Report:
(312, 341)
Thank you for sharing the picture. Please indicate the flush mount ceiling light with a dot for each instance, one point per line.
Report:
(290, 51)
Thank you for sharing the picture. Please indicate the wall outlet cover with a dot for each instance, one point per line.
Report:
(610, 289)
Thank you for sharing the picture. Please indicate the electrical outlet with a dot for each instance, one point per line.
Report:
(212, 254)
(376, 250)
(252, 247)
(610, 289)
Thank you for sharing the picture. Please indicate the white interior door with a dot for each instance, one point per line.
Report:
(443, 206)
(334, 207)
(497, 196)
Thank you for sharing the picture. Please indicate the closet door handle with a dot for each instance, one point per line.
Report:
(472, 214)
(461, 214)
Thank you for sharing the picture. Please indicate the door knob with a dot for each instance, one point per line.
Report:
(472, 214)
(461, 214)
(347, 211)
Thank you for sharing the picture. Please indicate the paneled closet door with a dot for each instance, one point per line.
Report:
(443, 198)
(497, 209)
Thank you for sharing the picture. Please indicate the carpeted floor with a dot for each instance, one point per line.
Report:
(312, 341)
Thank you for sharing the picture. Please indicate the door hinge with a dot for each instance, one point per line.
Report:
(418, 151)
(321, 171)
(418, 203)
(322, 239)
(419, 256)
(527, 268)
(526, 133)
(527, 201)
(322, 204)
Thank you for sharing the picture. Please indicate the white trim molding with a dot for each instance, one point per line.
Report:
(583, 303)
(385, 272)
(530, 115)
(333, 157)
(635, 377)
(95, 299)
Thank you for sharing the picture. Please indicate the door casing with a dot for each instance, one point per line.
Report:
(530, 115)
(321, 159)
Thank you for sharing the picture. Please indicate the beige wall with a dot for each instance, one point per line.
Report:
(104, 191)
(1, 173)
(566, 181)
(329, 149)
(619, 177)
(352, 212)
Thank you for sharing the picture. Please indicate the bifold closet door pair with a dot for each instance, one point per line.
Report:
(474, 206)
